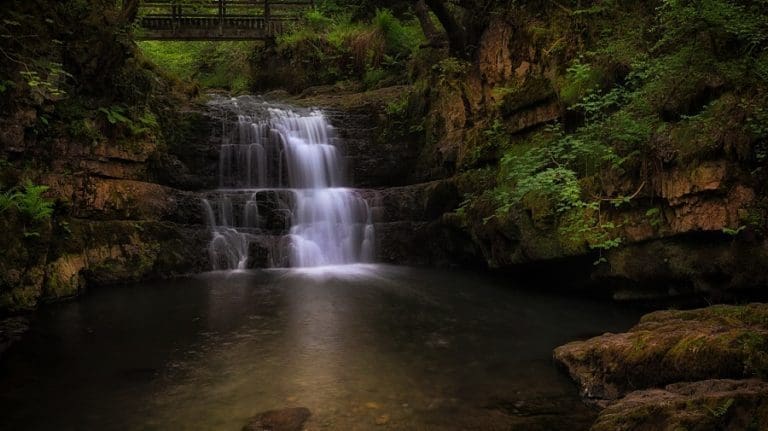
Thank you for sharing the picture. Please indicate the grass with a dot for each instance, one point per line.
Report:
(224, 65)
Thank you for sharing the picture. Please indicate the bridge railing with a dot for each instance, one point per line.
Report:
(218, 19)
(265, 8)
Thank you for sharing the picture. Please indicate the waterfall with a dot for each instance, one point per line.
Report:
(283, 163)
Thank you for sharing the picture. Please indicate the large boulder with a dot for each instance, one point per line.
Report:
(718, 342)
(699, 406)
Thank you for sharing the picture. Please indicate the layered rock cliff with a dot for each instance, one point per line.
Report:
(644, 159)
(86, 117)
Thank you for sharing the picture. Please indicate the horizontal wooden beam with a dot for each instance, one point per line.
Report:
(204, 16)
(228, 4)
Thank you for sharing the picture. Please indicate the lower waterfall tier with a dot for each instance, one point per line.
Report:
(297, 227)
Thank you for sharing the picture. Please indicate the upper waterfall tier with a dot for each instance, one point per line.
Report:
(276, 147)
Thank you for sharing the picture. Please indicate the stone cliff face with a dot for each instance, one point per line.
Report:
(114, 222)
(694, 224)
(85, 116)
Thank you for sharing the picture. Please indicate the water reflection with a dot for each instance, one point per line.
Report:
(358, 345)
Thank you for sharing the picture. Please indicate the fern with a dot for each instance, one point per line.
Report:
(29, 202)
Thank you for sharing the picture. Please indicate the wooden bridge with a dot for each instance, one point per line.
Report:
(217, 19)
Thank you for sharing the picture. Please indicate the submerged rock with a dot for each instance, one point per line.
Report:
(671, 346)
(704, 405)
(289, 419)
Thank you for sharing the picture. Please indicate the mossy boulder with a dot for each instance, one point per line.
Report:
(721, 341)
(699, 406)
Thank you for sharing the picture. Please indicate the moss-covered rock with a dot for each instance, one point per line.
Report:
(727, 405)
(671, 346)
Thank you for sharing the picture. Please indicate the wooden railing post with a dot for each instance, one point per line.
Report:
(222, 12)
(175, 15)
(267, 12)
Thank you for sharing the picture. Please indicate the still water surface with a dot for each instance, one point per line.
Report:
(365, 347)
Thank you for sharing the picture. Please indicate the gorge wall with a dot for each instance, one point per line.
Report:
(126, 154)
(680, 210)
(113, 141)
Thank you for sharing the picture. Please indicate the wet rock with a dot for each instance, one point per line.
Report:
(425, 243)
(11, 331)
(494, 53)
(289, 419)
(418, 202)
(671, 346)
(698, 406)
(382, 420)
(679, 182)
(710, 264)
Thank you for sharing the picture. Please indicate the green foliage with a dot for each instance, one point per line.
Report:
(496, 135)
(733, 232)
(342, 48)
(115, 114)
(645, 82)
(580, 80)
(223, 65)
(144, 123)
(29, 202)
(654, 216)
(6, 85)
(451, 67)
(316, 21)
(373, 77)
(402, 38)
(403, 118)
(548, 178)
(721, 410)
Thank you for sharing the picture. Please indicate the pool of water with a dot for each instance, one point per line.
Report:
(362, 346)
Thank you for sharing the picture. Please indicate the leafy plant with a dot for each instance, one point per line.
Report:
(722, 409)
(5, 85)
(115, 115)
(654, 216)
(30, 202)
(580, 80)
(733, 232)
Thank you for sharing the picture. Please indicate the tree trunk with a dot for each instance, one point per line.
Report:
(435, 38)
(457, 35)
(130, 11)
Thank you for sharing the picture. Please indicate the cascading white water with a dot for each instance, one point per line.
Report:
(273, 150)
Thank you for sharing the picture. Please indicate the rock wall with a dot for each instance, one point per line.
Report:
(694, 227)
(113, 223)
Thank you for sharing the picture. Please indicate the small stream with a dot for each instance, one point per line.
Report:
(363, 346)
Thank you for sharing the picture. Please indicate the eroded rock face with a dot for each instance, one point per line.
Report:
(728, 405)
(670, 346)
(712, 264)
(112, 224)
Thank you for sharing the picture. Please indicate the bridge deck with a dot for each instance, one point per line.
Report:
(217, 19)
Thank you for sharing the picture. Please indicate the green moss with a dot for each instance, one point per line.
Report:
(529, 93)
